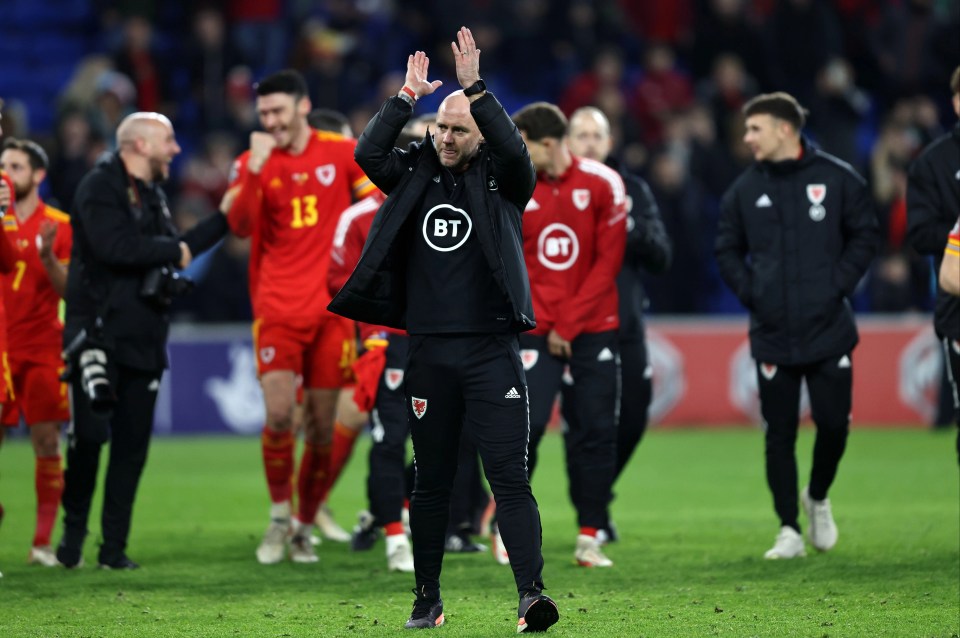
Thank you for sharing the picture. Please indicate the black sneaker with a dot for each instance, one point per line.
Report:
(461, 543)
(70, 552)
(427, 612)
(120, 562)
(365, 533)
(537, 611)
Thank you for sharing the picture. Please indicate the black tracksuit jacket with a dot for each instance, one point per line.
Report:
(499, 183)
(933, 205)
(648, 248)
(794, 265)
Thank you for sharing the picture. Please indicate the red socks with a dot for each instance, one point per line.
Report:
(313, 480)
(343, 441)
(48, 478)
(278, 463)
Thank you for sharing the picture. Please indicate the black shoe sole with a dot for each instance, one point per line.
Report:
(541, 615)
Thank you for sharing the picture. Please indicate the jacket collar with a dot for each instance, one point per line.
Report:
(789, 166)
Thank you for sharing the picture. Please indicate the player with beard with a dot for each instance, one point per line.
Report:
(288, 191)
(42, 238)
(933, 199)
(648, 249)
(574, 237)
(119, 287)
(444, 261)
(7, 261)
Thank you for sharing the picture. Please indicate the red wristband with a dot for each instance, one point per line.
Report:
(409, 91)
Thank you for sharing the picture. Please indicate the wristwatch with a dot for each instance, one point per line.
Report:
(477, 87)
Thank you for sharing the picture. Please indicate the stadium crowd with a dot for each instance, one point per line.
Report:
(671, 76)
(712, 118)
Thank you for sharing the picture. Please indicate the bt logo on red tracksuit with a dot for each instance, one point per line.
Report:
(557, 247)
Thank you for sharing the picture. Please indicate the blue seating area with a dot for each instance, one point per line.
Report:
(40, 45)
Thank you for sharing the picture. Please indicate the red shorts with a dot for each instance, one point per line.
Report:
(322, 352)
(38, 394)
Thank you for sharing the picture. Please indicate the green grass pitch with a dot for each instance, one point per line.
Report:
(693, 510)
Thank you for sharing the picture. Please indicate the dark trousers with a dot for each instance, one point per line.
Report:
(636, 393)
(387, 478)
(128, 428)
(829, 383)
(475, 385)
(951, 357)
(591, 434)
(386, 482)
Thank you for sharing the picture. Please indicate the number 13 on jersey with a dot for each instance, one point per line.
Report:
(304, 211)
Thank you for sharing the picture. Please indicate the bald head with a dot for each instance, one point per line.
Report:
(589, 134)
(457, 138)
(147, 145)
(141, 126)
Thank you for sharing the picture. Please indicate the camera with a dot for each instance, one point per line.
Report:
(162, 284)
(92, 361)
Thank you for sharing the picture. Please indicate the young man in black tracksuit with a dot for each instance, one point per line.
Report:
(648, 249)
(796, 234)
(444, 261)
(933, 203)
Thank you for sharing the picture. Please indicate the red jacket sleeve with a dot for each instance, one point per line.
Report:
(610, 236)
(7, 255)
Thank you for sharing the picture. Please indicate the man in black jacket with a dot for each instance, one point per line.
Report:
(119, 284)
(796, 234)
(933, 203)
(444, 261)
(648, 249)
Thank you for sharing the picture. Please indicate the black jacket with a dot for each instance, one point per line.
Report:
(648, 248)
(793, 262)
(121, 230)
(933, 204)
(499, 183)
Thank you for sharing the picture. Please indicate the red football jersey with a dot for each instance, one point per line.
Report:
(574, 235)
(348, 242)
(34, 327)
(7, 262)
(349, 238)
(297, 203)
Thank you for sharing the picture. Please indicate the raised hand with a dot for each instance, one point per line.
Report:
(48, 232)
(261, 145)
(467, 57)
(416, 80)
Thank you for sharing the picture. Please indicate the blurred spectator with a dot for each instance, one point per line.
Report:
(208, 57)
(838, 111)
(801, 36)
(663, 91)
(915, 47)
(259, 33)
(684, 288)
(82, 89)
(670, 22)
(16, 119)
(206, 175)
(76, 150)
(724, 30)
(114, 99)
(322, 55)
(606, 73)
(725, 92)
(138, 60)
(240, 104)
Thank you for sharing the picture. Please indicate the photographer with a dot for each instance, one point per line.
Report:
(120, 282)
